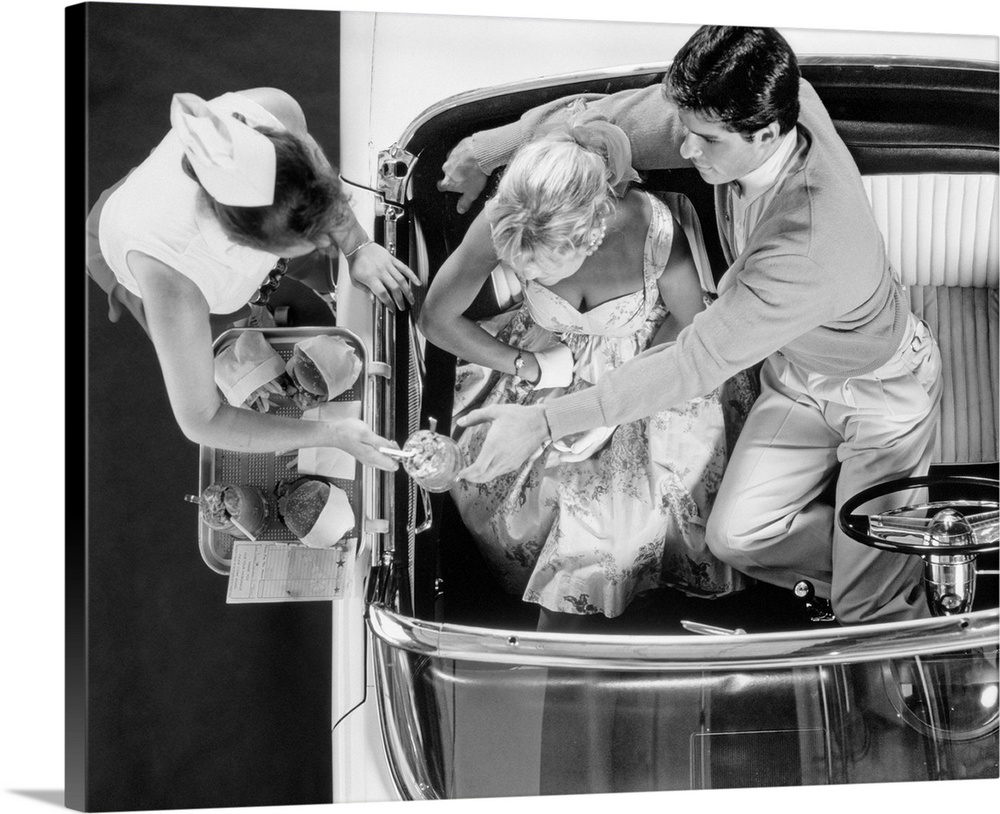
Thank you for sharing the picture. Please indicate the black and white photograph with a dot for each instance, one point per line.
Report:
(521, 408)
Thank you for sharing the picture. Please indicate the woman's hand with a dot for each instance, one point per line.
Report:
(355, 437)
(531, 372)
(389, 279)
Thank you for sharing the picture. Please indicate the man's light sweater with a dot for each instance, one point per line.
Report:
(813, 281)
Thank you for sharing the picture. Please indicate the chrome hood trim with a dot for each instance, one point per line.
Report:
(863, 643)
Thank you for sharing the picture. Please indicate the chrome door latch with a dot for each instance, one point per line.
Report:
(395, 167)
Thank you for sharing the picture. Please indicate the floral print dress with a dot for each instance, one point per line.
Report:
(585, 533)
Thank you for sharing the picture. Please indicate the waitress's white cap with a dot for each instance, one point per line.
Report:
(234, 163)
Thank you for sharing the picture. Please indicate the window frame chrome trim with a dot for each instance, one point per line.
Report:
(622, 71)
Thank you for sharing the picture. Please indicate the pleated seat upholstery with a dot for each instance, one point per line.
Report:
(941, 235)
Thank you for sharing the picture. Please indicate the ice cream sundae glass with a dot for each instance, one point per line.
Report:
(432, 460)
(239, 510)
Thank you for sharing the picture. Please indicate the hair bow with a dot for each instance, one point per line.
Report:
(234, 163)
(606, 139)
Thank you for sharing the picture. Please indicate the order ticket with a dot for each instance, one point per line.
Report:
(277, 572)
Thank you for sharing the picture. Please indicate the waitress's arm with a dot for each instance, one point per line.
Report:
(369, 264)
(177, 314)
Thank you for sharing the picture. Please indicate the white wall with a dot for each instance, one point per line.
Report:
(422, 58)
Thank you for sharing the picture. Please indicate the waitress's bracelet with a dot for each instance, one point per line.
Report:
(358, 248)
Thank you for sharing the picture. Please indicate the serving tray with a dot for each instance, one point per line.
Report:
(266, 470)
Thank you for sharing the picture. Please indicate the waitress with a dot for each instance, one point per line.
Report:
(236, 186)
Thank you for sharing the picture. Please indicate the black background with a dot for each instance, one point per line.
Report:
(190, 702)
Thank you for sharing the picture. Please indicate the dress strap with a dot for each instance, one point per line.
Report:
(684, 212)
(659, 240)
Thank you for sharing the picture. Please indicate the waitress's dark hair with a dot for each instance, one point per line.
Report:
(308, 198)
(744, 77)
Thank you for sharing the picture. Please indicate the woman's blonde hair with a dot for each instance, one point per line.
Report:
(553, 194)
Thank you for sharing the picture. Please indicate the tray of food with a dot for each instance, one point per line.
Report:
(307, 497)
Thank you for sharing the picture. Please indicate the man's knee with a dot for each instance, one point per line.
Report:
(725, 539)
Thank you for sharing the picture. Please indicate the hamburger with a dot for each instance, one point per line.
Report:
(320, 369)
(318, 513)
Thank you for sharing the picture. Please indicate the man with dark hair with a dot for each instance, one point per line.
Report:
(849, 375)
(714, 69)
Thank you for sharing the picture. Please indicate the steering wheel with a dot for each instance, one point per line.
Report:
(945, 527)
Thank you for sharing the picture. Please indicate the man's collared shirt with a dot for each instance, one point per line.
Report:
(746, 197)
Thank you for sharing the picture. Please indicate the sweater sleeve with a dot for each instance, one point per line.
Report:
(776, 302)
(648, 119)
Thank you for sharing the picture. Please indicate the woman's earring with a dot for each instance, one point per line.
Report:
(597, 237)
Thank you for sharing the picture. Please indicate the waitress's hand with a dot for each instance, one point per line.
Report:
(390, 280)
(355, 437)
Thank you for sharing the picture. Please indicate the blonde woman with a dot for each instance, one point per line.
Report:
(588, 522)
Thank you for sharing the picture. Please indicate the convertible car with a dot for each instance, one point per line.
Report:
(462, 698)
(442, 686)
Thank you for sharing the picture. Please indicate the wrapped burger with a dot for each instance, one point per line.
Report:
(320, 369)
(316, 512)
(250, 373)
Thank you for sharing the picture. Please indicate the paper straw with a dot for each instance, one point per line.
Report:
(239, 525)
(396, 453)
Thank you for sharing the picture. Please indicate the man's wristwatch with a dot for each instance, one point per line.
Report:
(518, 364)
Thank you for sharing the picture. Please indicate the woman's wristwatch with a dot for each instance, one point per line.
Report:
(518, 364)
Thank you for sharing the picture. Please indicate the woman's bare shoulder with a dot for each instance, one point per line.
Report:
(636, 210)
